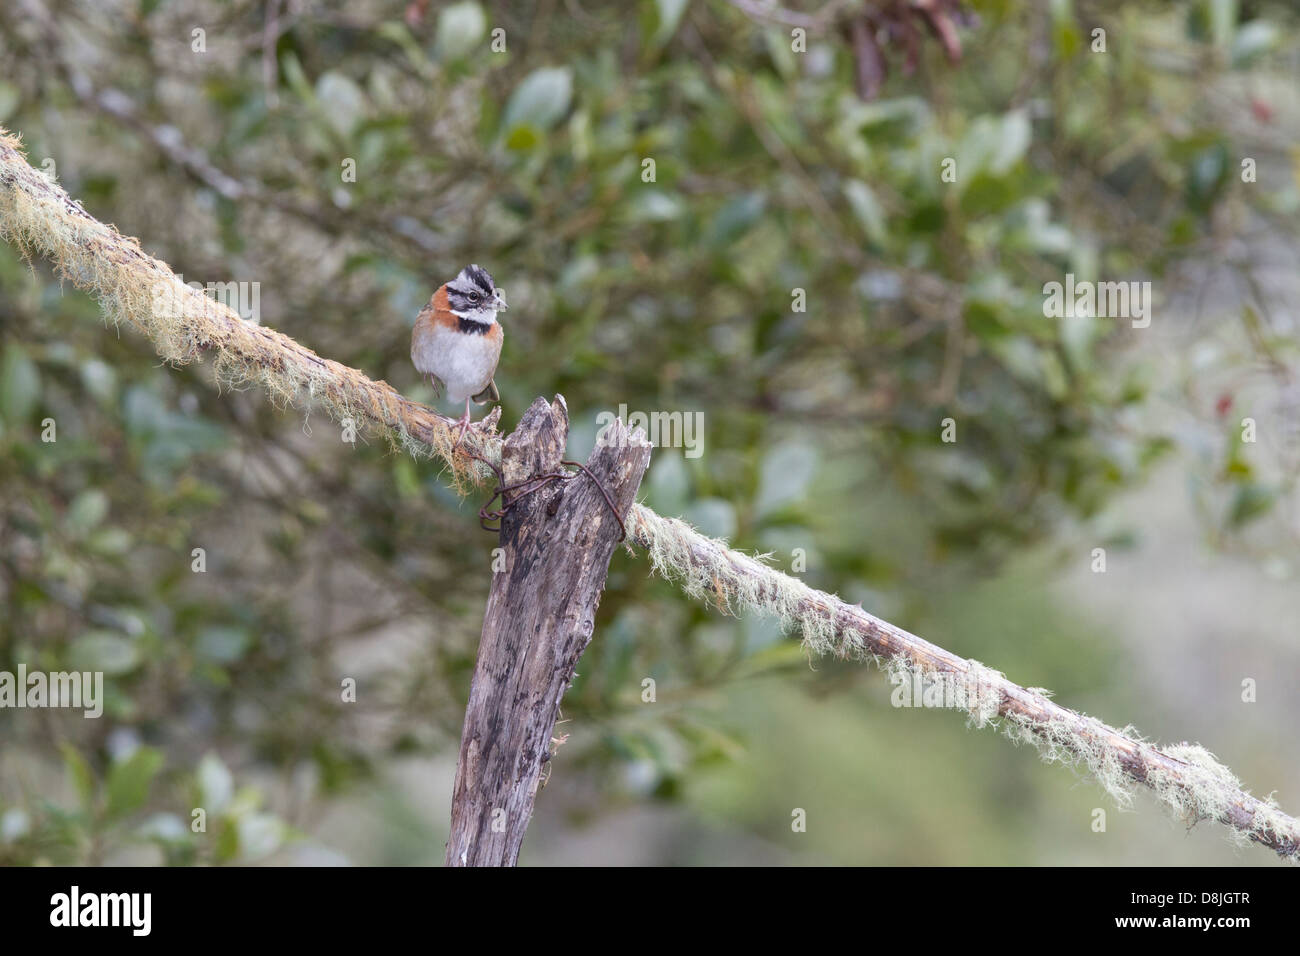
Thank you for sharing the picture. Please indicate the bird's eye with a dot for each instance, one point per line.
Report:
(474, 296)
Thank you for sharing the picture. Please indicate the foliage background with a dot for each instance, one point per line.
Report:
(924, 301)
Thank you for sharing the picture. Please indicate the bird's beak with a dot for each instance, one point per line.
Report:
(500, 299)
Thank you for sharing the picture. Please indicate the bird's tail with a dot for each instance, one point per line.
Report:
(489, 395)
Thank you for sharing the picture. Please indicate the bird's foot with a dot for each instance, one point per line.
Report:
(462, 427)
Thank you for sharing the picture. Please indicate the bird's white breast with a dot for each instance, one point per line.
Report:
(464, 362)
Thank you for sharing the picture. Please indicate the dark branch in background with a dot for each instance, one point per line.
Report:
(866, 27)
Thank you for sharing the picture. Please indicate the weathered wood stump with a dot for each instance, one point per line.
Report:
(540, 618)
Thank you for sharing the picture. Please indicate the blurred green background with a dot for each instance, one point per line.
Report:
(227, 152)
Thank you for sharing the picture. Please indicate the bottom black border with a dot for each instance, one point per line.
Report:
(332, 905)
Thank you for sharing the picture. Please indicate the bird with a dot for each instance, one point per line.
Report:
(457, 340)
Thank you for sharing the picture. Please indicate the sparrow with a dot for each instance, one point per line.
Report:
(457, 340)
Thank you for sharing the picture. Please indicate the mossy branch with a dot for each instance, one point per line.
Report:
(38, 216)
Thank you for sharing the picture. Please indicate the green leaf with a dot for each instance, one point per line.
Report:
(1222, 15)
(461, 27)
(1078, 332)
(993, 145)
(227, 843)
(216, 785)
(865, 205)
(668, 482)
(342, 101)
(295, 76)
(540, 101)
(1015, 136)
(786, 61)
(225, 645)
(522, 138)
(1254, 39)
(984, 320)
(406, 478)
(399, 34)
(164, 828)
(260, 834)
(79, 774)
(15, 823)
(736, 218)
(670, 15)
(99, 379)
(85, 513)
(110, 541)
(1206, 176)
(653, 205)
(1054, 378)
(1238, 470)
(1251, 502)
(9, 99)
(1065, 33)
(788, 467)
(716, 517)
(20, 385)
(129, 780)
(103, 651)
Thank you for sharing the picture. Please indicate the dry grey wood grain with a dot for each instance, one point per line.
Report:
(540, 617)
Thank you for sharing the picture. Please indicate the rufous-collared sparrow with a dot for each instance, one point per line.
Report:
(457, 339)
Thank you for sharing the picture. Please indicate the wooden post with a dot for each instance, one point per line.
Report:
(540, 617)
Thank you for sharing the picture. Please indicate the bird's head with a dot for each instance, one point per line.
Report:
(472, 295)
